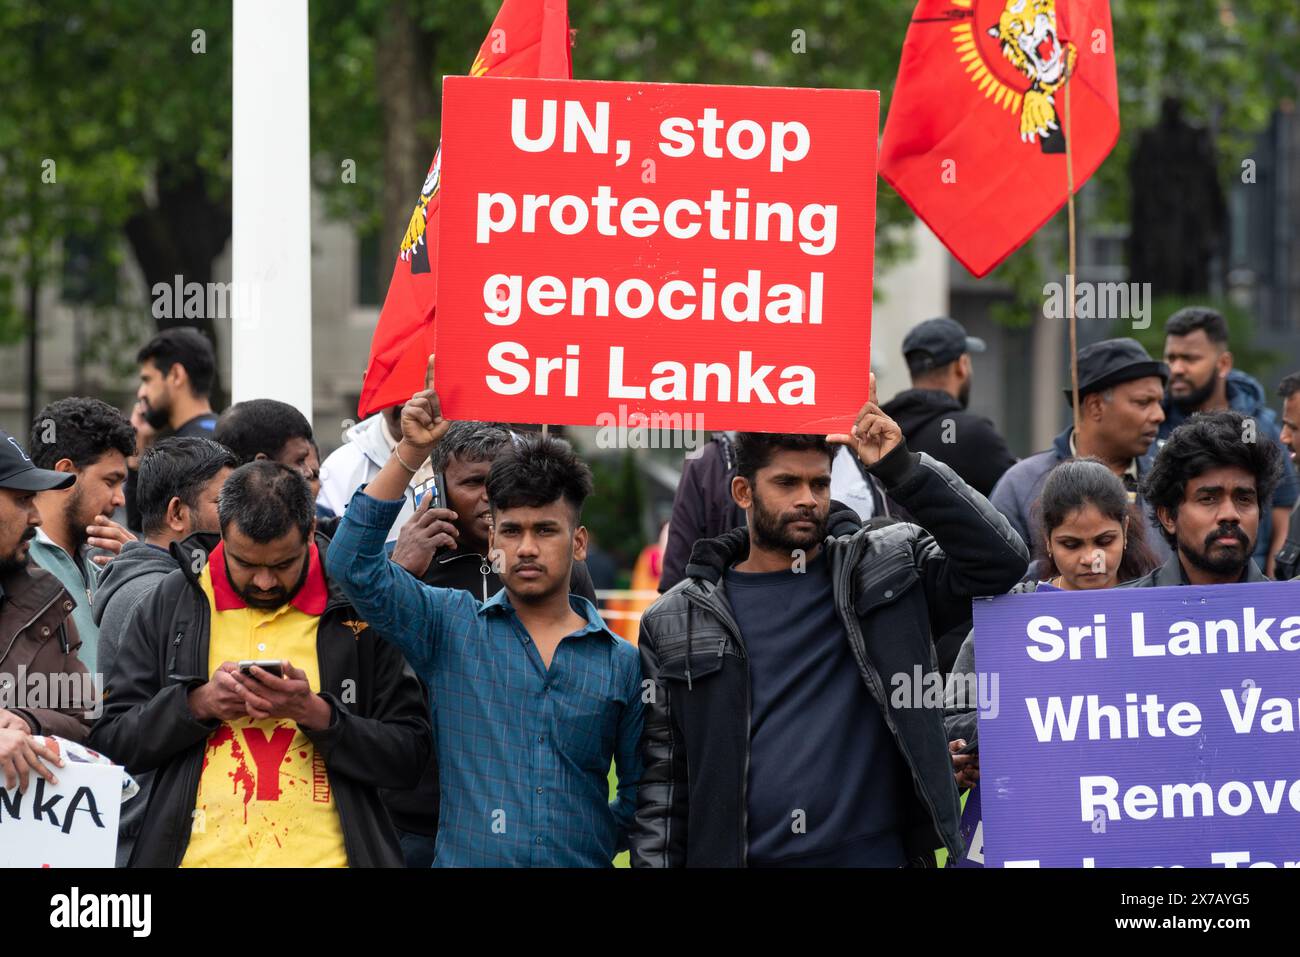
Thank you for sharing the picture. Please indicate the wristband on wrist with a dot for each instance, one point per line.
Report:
(397, 454)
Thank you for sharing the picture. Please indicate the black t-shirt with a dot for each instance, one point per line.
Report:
(201, 426)
(825, 777)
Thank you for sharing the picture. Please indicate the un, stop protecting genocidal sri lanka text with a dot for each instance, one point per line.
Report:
(750, 300)
(703, 249)
(782, 302)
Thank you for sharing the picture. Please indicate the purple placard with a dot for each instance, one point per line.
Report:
(972, 831)
(1225, 792)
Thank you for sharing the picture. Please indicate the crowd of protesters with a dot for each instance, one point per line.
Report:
(395, 657)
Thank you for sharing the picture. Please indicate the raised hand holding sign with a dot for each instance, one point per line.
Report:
(422, 428)
(422, 423)
(874, 434)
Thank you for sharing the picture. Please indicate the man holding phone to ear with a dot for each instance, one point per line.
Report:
(452, 521)
(445, 543)
(254, 767)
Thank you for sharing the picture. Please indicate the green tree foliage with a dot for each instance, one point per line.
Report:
(139, 124)
(1230, 62)
(616, 518)
(113, 131)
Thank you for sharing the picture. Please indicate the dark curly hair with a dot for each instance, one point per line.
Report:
(1207, 441)
(1086, 481)
(754, 450)
(81, 429)
(536, 470)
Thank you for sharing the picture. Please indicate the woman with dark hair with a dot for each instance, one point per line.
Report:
(1092, 538)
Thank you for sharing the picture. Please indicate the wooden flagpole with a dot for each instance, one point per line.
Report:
(1069, 279)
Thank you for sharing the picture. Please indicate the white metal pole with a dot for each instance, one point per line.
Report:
(270, 355)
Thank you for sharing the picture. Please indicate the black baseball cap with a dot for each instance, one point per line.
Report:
(942, 339)
(18, 472)
(1112, 361)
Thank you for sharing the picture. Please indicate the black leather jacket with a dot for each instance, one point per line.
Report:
(894, 587)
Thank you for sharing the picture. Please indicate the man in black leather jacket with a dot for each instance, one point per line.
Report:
(770, 736)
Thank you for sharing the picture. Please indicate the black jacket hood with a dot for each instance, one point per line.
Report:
(913, 409)
(711, 557)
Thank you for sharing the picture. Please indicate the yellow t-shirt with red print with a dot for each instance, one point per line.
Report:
(264, 796)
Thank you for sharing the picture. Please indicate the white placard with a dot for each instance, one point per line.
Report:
(71, 824)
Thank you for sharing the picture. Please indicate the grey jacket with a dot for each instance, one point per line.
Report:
(1016, 495)
(1171, 573)
(125, 582)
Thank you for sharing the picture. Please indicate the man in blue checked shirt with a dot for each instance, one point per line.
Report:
(534, 694)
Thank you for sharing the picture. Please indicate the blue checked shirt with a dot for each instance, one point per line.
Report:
(523, 751)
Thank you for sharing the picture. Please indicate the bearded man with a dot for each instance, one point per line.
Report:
(90, 440)
(1202, 379)
(1209, 490)
(43, 686)
(770, 737)
(269, 711)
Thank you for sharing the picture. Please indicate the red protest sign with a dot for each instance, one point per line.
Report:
(664, 248)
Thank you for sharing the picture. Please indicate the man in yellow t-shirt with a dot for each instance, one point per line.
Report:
(257, 768)
(264, 795)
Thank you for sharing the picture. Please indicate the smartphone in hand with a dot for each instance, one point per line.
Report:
(274, 667)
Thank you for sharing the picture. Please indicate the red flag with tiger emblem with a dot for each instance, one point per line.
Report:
(975, 138)
(528, 38)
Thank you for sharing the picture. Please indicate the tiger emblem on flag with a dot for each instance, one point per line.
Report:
(1019, 60)
(1026, 31)
(414, 249)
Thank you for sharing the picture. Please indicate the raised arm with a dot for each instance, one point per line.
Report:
(964, 547)
(407, 612)
(422, 428)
